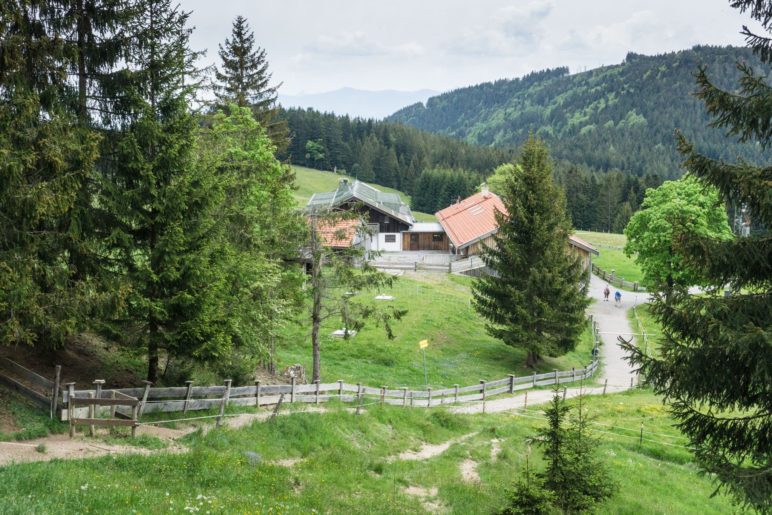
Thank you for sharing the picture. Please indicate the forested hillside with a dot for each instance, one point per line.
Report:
(615, 117)
(388, 154)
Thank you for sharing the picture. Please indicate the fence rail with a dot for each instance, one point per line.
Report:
(193, 398)
(40, 390)
(616, 281)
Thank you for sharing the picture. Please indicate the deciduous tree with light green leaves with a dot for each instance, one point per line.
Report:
(684, 203)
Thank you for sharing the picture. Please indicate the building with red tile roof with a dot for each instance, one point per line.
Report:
(471, 222)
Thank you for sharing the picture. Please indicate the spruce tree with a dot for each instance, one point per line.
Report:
(44, 161)
(715, 363)
(243, 79)
(159, 203)
(535, 298)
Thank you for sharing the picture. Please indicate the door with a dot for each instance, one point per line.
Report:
(413, 241)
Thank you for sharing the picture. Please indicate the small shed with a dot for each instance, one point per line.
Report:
(425, 236)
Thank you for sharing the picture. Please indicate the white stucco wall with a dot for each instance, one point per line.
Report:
(385, 246)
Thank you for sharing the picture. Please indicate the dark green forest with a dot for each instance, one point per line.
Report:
(389, 154)
(437, 170)
(615, 117)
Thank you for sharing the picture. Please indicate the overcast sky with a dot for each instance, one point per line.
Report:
(321, 45)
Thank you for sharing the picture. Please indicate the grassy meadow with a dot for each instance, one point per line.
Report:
(611, 255)
(439, 309)
(642, 320)
(310, 181)
(339, 462)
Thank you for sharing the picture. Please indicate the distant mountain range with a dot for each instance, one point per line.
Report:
(357, 102)
(614, 117)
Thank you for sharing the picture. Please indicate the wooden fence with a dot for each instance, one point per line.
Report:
(192, 398)
(41, 391)
(112, 399)
(616, 281)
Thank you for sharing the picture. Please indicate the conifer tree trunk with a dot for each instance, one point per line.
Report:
(316, 310)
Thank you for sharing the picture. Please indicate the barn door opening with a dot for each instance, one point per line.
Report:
(414, 241)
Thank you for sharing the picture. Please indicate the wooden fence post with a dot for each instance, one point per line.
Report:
(565, 390)
(135, 418)
(415, 266)
(360, 391)
(511, 383)
(455, 394)
(224, 401)
(557, 381)
(188, 393)
(278, 405)
(93, 408)
(340, 389)
(317, 392)
(148, 384)
(70, 395)
(257, 394)
(112, 408)
(383, 394)
(605, 384)
(292, 390)
(55, 393)
(631, 381)
(429, 398)
(91, 428)
(573, 374)
(411, 398)
(404, 397)
(534, 378)
(525, 400)
(482, 382)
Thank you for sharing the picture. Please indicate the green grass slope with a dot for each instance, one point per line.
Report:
(611, 255)
(310, 181)
(439, 309)
(345, 464)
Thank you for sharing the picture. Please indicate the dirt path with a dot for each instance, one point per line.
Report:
(81, 446)
(429, 450)
(612, 322)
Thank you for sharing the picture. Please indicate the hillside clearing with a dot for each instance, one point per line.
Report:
(439, 309)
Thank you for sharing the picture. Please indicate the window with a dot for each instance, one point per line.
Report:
(437, 237)
(390, 238)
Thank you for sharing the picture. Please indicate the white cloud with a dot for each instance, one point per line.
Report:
(357, 44)
(510, 31)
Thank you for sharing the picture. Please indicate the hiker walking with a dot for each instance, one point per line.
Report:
(606, 292)
(618, 298)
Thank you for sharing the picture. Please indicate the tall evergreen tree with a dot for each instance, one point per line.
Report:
(535, 297)
(160, 203)
(243, 79)
(726, 413)
(44, 162)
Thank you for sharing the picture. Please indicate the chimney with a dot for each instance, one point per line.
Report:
(484, 190)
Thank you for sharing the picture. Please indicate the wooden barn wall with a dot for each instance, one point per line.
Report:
(476, 248)
(425, 241)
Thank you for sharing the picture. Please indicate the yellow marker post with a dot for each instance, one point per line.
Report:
(422, 345)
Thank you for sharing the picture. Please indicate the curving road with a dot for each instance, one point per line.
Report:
(612, 322)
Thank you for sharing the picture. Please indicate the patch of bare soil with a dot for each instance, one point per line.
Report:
(428, 497)
(469, 472)
(64, 447)
(428, 450)
(495, 449)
